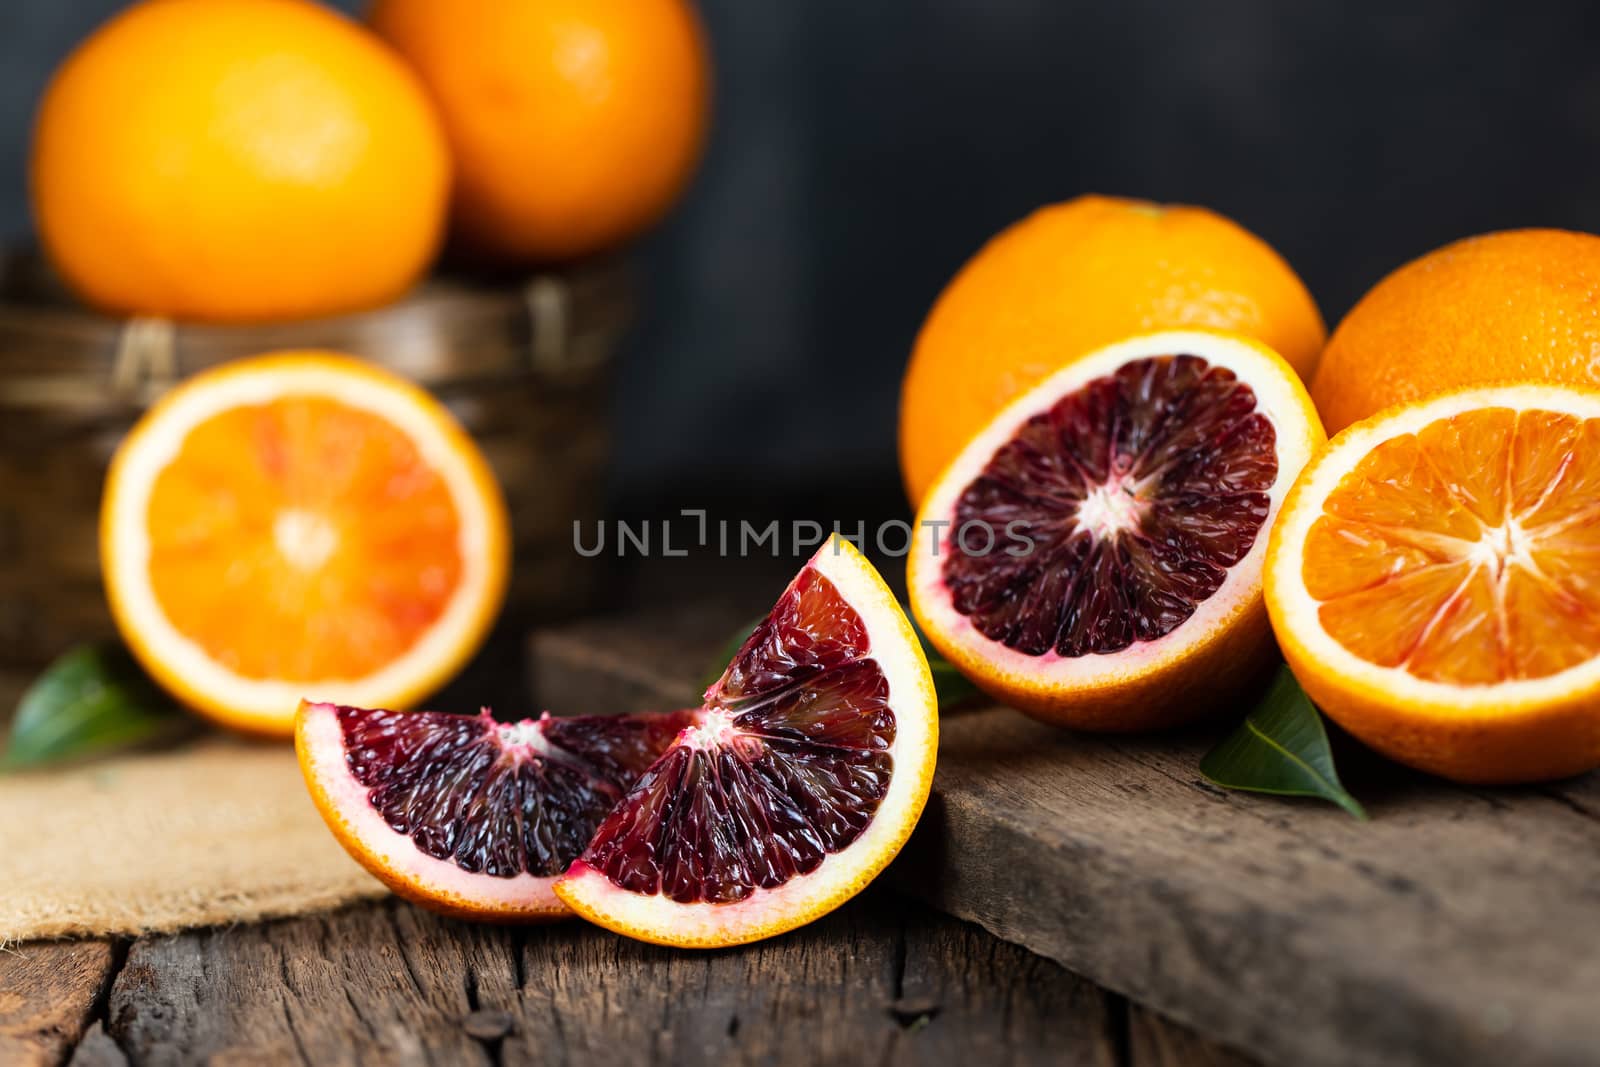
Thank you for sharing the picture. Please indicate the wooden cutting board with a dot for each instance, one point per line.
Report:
(1459, 926)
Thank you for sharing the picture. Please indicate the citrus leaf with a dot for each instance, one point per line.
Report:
(1280, 748)
(949, 685)
(93, 700)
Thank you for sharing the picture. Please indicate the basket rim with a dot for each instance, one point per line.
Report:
(448, 332)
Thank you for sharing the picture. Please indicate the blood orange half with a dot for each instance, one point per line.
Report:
(802, 776)
(466, 815)
(1093, 557)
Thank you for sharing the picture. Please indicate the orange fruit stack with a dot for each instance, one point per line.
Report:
(1433, 577)
(300, 525)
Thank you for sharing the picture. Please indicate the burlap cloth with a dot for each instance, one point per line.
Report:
(219, 831)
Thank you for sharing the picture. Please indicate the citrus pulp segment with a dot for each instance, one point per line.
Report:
(807, 767)
(1435, 582)
(463, 814)
(1093, 556)
(301, 524)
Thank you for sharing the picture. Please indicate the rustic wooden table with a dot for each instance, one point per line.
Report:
(883, 980)
(879, 981)
(1459, 926)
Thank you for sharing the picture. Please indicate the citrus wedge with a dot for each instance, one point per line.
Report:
(465, 815)
(301, 524)
(1434, 581)
(1093, 556)
(803, 775)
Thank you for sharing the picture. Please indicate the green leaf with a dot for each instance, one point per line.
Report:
(92, 701)
(949, 685)
(1280, 748)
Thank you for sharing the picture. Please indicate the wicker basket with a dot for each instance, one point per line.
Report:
(523, 366)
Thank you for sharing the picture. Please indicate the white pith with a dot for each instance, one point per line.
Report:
(713, 729)
(305, 539)
(1111, 508)
(767, 911)
(1280, 397)
(1296, 611)
(516, 735)
(322, 745)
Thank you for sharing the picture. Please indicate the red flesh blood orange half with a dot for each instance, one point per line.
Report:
(794, 783)
(1093, 557)
(465, 815)
(807, 767)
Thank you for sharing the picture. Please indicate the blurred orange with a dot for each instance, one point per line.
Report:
(575, 123)
(1071, 278)
(238, 161)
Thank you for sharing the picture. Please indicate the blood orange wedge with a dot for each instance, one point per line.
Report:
(1093, 557)
(466, 815)
(295, 524)
(803, 775)
(1435, 582)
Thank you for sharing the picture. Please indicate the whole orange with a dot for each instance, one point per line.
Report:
(241, 161)
(575, 124)
(1072, 278)
(1521, 304)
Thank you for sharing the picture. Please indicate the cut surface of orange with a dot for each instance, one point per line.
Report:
(465, 815)
(804, 772)
(1435, 582)
(301, 525)
(1093, 556)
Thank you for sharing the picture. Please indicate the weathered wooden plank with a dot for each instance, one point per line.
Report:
(1459, 926)
(877, 981)
(370, 984)
(48, 993)
(874, 982)
(96, 1049)
(1153, 1041)
(969, 986)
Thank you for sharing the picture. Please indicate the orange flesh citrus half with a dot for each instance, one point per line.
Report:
(1435, 582)
(301, 524)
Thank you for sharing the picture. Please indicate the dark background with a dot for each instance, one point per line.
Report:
(861, 151)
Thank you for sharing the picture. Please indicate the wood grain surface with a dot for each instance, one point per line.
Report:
(884, 980)
(1459, 926)
(880, 981)
(48, 994)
